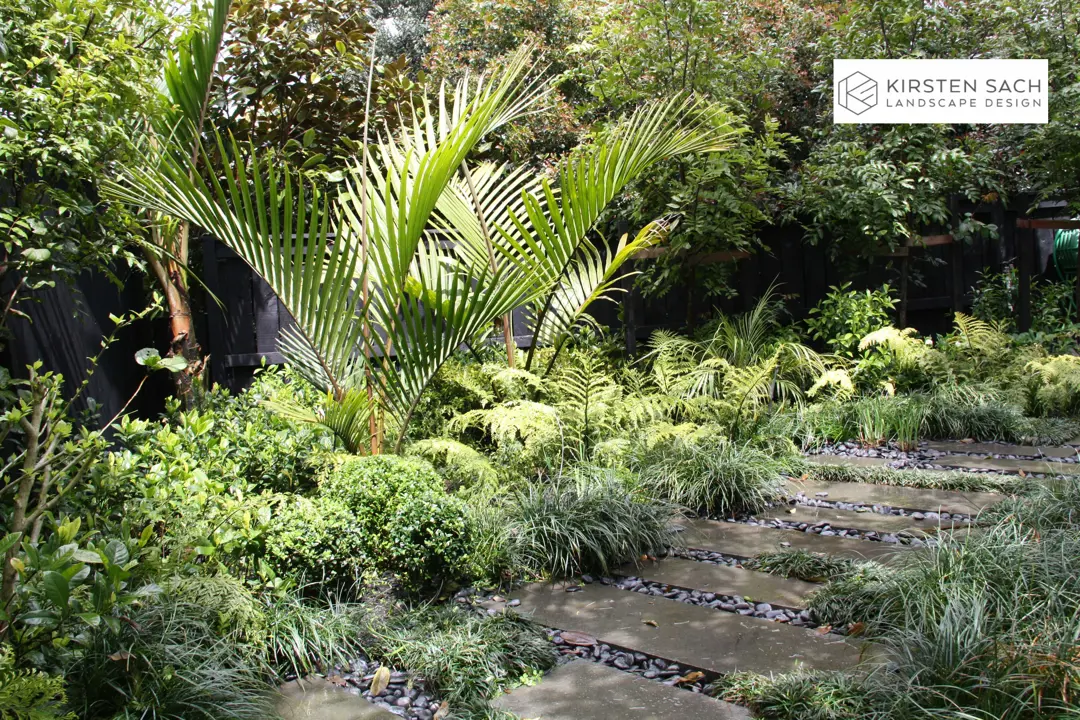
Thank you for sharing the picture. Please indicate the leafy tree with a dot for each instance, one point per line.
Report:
(473, 35)
(74, 78)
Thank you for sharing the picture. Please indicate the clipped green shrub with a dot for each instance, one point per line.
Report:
(710, 475)
(467, 658)
(590, 521)
(846, 316)
(316, 540)
(408, 524)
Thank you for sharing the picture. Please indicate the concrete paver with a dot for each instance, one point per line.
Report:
(854, 520)
(908, 498)
(582, 690)
(1009, 466)
(747, 541)
(724, 580)
(316, 699)
(688, 634)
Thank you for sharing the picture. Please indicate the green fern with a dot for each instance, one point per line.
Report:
(461, 465)
(237, 610)
(29, 694)
(588, 401)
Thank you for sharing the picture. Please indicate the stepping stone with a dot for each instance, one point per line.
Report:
(747, 541)
(316, 699)
(724, 580)
(700, 637)
(851, 519)
(583, 690)
(1009, 466)
(908, 498)
(998, 449)
(847, 460)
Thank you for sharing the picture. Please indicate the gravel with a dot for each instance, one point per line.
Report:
(728, 603)
(406, 696)
(646, 666)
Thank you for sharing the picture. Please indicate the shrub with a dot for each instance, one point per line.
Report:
(167, 663)
(845, 316)
(316, 540)
(408, 524)
(467, 658)
(710, 475)
(587, 522)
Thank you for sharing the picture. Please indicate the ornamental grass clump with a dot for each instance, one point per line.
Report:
(713, 476)
(466, 658)
(588, 521)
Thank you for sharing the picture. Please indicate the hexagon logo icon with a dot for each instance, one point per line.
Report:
(857, 93)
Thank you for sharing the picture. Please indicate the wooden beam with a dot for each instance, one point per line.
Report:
(1032, 224)
(932, 240)
(703, 259)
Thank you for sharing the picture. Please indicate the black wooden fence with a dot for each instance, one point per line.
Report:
(940, 274)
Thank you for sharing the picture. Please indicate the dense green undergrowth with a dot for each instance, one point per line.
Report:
(984, 625)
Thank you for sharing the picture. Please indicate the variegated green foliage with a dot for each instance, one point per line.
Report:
(379, 302)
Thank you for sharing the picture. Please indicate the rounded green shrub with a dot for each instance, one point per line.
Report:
(408, 523)
(315, 539)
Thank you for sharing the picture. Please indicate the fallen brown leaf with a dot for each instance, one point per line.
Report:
(690, 677)
(856, 629)
(443, 710)
(380, 681)
(578, 638)
(651, 623)
(824, 630)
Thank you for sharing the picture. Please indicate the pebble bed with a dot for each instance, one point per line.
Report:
(924, 457)
(728, 603)
(646, 666)
(405, 696)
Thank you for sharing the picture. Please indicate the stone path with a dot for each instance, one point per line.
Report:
(716, 641)
(909, 498)
(317, 699)
(747, 541)
(712, 640)
(1050, 451)
(1031, 467)
(583, 690)
(720, 579)
(867, 520)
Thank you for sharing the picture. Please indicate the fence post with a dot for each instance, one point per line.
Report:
(957, 260)
(1024, 242)
(215, 321)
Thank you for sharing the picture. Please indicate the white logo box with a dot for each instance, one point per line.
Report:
(940, 91)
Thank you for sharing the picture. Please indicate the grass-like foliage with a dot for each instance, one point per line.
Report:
(167, 663)
(986, 623)
(802, 564)
(303, 637)
(467, 658)
(802, 695)
(589, 521)
(713, 476)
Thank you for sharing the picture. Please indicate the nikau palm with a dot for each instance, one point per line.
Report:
(517, 239)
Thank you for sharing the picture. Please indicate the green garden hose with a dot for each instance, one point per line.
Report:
(1065, 244)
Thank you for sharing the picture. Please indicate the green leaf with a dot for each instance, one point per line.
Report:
(87, 556)
(309, 137)
(312, 161)
(117, 553)
(149, 357)
(56, 588)
(10, 540)
(173, 364)
(37, 255)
